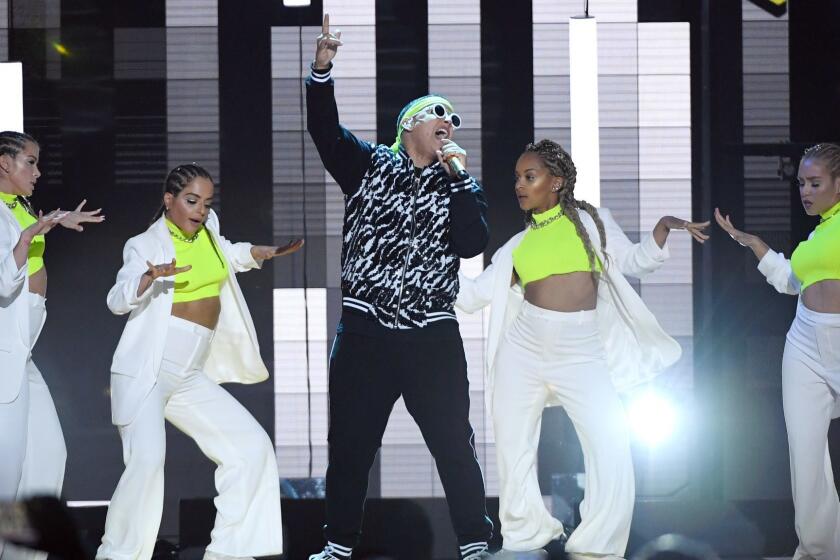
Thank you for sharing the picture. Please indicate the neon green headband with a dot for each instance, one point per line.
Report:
(413, 108)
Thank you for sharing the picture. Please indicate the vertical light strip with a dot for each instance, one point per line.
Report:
(291, 433)
(192, 84)
(766, 96)
(644, 129)
(4, 30)
(11, 96)
(665, 172)
(297, 168)
(583, 103)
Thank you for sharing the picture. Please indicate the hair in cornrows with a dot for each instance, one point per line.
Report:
(828, 154)
(11, 144)
(560, 164)
(179, 178)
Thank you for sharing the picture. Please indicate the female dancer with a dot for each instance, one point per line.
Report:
(811, 361)
(581, 334)
(32, 451)
(189, 329)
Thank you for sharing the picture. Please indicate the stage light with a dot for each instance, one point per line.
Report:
(296, 3)
(583, 90)
(776, 7)
(11, 96)
(60, 49)
(653, 418)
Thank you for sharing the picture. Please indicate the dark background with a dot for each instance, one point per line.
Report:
(105, 140)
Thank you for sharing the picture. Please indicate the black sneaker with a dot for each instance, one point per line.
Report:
(333, 552)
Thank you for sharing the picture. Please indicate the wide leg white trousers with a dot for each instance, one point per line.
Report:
(32, 450)
(544, 353)
(810, 385)
(248, 505)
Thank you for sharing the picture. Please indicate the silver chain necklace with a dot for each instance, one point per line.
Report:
(539, 225)
(180, 237)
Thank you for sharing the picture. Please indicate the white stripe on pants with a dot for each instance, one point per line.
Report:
(33, 450)
(248, 505)
(549, 352)
(810, 384)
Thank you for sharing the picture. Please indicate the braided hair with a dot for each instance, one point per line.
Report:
(828, 154)
(179, 178)
(12, 143)
(559, 163)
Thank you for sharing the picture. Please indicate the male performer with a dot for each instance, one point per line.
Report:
(411, 213)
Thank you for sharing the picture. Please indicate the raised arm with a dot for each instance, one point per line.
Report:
(651, 252)
(774, 266)
(344, 156)
(13, 264)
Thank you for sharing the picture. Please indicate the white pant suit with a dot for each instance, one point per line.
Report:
(173, 375)
(32, 450)
(537, 358)
(552, 356)
(810, 389)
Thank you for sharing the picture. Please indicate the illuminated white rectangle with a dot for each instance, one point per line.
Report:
(11, 96)
(296, 3)
(583, 103)
(192, 13)
(446, 11)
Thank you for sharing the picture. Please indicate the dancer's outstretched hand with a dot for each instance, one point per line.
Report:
(265, 252)
(327, 45)
(743, 238)
(44, 224)
(75, 218)
(696, 229)
(166, 269)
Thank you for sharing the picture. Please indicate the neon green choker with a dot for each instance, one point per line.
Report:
(830, 213)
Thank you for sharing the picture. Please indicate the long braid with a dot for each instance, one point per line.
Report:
(11, 144)
(560, 164)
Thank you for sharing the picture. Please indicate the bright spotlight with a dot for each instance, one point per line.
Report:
(296, 3)
(653, 418)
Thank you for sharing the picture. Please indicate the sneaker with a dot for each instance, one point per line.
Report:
(333, 552)
(474, 551)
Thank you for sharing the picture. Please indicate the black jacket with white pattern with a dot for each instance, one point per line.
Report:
(405, 228)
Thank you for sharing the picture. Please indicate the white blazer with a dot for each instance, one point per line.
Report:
(637, 348)
(234, 351)
(777, 270)
(14, 310)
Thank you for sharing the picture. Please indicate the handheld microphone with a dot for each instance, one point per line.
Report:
(456, 166)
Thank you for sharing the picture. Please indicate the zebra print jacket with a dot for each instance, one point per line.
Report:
(405, 228)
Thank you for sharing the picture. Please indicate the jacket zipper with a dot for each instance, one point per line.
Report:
(410, 247)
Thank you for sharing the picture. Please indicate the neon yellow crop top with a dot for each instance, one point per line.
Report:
(551, 246)
(209, 266)
(816, 259)
(35, 257)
